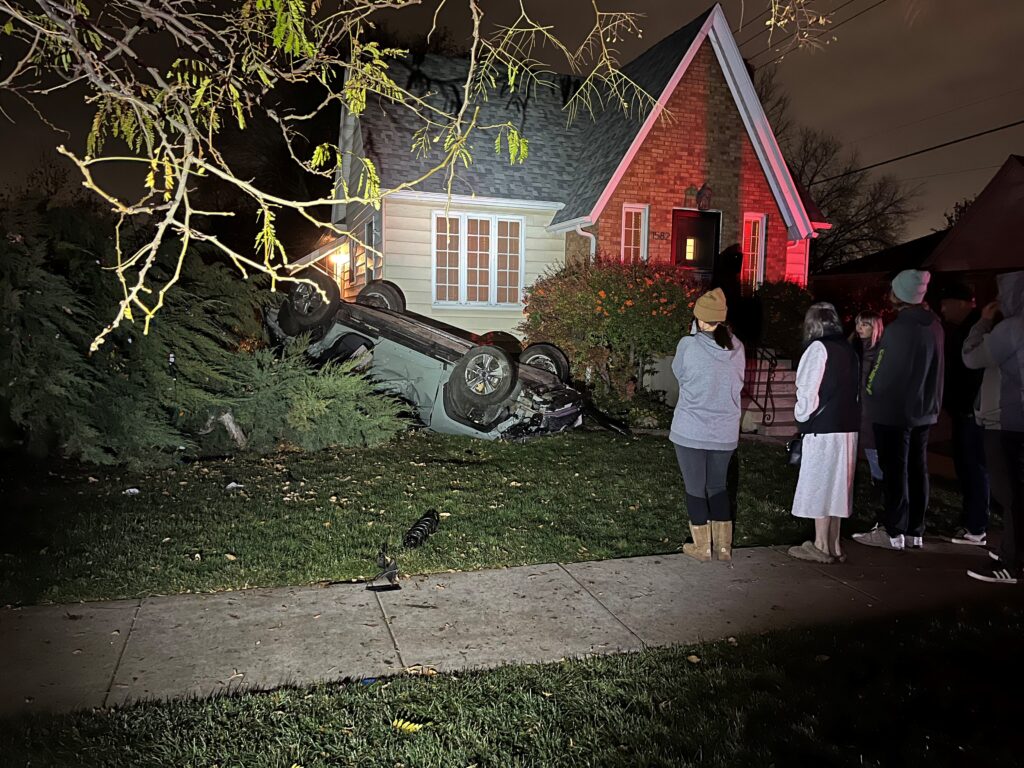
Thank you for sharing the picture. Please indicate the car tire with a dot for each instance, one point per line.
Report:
(483, 377)
(383, 294)
(548, 357)
(307, 307)
(286, 321)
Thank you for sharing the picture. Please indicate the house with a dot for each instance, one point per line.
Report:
(863, 283)
(698, 171)
(980, 245)
(983, 242)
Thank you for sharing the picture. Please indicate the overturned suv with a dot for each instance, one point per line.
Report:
(458, 383)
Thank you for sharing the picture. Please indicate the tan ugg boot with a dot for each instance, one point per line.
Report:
(721, 532)
(701, 547)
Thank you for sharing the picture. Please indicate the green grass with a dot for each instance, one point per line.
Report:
(69, 533)
(940, 691)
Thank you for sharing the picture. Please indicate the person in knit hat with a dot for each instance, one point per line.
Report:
(903, 398)
(709, 365)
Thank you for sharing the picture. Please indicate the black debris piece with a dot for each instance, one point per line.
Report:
(421, 529)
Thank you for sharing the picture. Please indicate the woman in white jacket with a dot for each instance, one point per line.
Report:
(828, 410)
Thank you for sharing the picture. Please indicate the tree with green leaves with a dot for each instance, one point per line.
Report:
(167, 77)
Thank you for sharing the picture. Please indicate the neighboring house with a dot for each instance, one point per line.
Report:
(676, 184)
(870, 276)
(982, 243)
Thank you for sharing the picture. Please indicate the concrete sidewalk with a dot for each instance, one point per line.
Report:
(64, 657)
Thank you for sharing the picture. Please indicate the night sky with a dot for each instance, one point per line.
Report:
(880, 87)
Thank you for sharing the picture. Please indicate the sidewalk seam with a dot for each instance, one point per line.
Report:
(394, 640)
(598, 600)
(120, 656)
(832, 576)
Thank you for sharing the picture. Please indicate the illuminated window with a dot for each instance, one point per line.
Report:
(691, 249)
(753, 249)
(478, 260)
(634, 232)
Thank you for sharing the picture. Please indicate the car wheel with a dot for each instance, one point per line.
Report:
(548, 357)
(306, 305)
(483, 377)
(382, 293)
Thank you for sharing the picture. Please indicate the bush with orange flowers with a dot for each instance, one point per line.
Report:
(611, 319)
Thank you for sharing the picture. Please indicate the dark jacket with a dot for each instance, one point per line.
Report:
(867, 355)
(839, 391)
(905, 386)
(961, 383)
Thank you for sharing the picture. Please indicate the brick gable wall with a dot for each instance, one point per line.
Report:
(704, 141)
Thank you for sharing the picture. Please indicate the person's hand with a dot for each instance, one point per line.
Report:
(990, 311)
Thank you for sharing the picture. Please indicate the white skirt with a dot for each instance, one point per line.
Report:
(825, 485)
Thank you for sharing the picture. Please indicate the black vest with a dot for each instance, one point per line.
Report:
(839, 393)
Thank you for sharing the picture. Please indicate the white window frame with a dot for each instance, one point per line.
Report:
(762, 220)
(492, 268)
(644, 210)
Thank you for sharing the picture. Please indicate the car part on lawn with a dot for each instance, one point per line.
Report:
(547, 357)
(482, 378)
(382, 294)
(421, 529)
(388, 570)
(307, 308)
(605, 421)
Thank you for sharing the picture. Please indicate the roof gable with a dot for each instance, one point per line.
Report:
(987, 236)
(563, 164)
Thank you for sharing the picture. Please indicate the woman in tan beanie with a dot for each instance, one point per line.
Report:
(709, 365)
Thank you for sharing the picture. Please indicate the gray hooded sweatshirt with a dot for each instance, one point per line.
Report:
(999, 350)
(710, 378)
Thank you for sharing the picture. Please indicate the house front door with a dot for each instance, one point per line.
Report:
(695, 236)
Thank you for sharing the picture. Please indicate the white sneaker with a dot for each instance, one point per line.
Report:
(966, 537)
(914, 542)
(879, 537)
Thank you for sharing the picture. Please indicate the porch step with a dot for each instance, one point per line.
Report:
(757, 389)
(778, 430)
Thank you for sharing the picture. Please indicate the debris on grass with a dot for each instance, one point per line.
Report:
(233, 486)
(421, 670)
(693, 659)
(421, 529)
(131, 492)
(407, 726)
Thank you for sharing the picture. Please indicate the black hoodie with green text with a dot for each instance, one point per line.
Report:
(905, 387)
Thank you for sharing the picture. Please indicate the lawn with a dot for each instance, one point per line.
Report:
(70, 533)
(913, 691)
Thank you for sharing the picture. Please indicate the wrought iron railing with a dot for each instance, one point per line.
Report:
(761, 365)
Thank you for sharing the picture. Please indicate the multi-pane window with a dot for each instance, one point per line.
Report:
(753, 250)
(478, 259)
(509, 247)
(634, 233)
(446, 258)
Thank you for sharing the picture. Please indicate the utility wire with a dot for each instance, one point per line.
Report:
(762, 13)
(919, 152)
(953, 173)
(768, 29)
(833, 29)
(939, 114)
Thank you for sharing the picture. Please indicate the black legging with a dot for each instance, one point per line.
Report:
(705, 475)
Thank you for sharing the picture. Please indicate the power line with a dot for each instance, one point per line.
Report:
(768, 29)
(762, 13)
(953, 173)
(939, 114)
(919, 152)
(833, 29)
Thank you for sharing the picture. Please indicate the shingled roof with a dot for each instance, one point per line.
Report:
(571, 164)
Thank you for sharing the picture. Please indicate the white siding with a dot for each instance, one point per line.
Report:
(408, 260)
